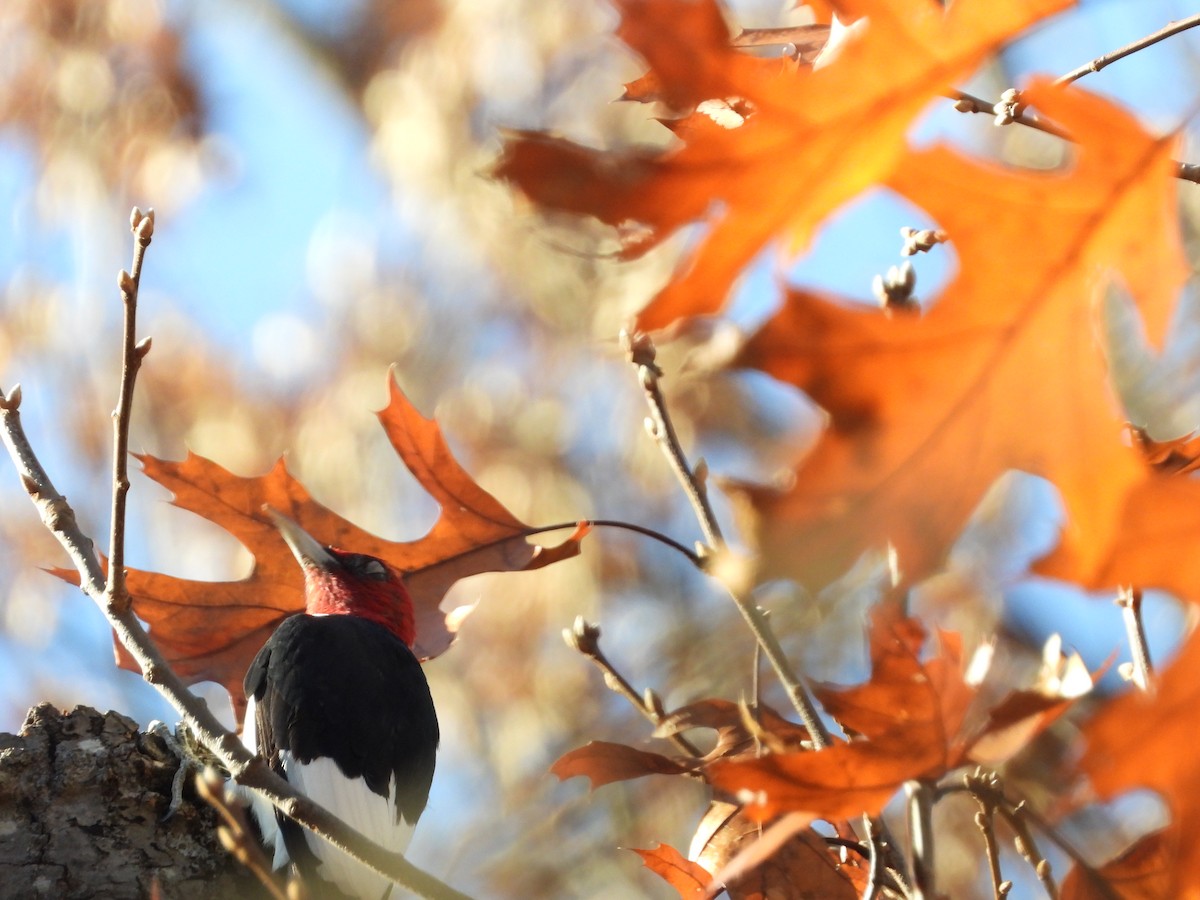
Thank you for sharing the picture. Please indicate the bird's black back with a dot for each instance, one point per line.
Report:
(345, 688)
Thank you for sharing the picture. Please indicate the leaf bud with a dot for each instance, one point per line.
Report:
(12, 402)
(145, 228)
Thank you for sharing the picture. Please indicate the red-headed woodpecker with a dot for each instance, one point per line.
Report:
(339, 706)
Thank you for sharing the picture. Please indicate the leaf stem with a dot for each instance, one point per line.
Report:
(694, 558)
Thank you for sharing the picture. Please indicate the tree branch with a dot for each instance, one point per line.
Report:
(585, 637)
(142, 226)
(1010, 111)
(641, 352)
(919, 799)
(986, 788)
(985, 820)
(1128, 50)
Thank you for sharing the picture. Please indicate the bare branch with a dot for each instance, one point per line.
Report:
(877, 857)
(234, 834)
(986, 788)
(641, 352)
(968, 103)
(1129, 49)
(919, 797)
(985, 820)
(132, 353)
(585, 637)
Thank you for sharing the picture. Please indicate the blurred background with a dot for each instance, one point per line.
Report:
(320, 176)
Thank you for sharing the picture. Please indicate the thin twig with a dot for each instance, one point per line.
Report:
(1028, 848)
(985, 820)
(641, 353)
(1101, 884)
(1140, 672)
(919, 797)
(132, 354)
(247, 769)
(969, 103)
(987, 785)
(661, 428)
(1129, 49)
(585, 637)
(234, 834)
(874, 888)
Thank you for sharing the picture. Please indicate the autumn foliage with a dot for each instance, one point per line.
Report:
(925, 408)
(926, 400)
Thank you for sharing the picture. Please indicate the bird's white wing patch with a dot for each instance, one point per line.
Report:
(354, 803)
(263, 812)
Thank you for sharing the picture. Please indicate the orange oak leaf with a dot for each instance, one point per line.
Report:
(210, 631)
(690, 879)
(802, 141)
(603, 763)
(1145, 871)
(739, 729)
(910, 720)
(907, 719)
(1002, 371)
(1149, 741)
(788, 859)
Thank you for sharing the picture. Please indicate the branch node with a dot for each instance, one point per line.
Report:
(640, 350)
(1008, 109)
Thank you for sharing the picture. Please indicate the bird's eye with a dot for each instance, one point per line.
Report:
(373, 568)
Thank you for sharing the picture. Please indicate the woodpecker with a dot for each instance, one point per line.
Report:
(339, 706)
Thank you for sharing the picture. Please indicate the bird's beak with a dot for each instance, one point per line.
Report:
(307, 550)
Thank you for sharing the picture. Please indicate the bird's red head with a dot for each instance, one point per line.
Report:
(340, 583)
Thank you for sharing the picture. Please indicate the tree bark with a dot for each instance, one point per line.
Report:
(82, 796)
